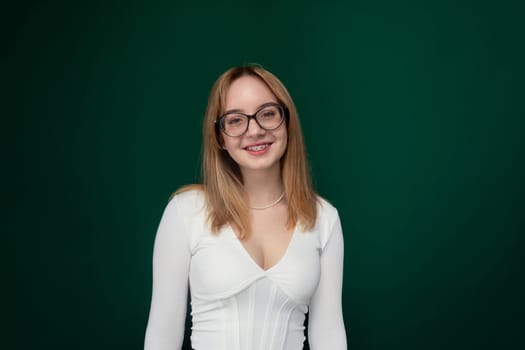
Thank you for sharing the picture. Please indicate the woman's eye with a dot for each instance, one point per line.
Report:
(268, 114)
(234, 121)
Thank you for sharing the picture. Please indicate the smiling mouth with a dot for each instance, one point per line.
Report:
(258, 148)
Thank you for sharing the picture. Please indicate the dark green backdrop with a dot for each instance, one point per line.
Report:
(413, 118)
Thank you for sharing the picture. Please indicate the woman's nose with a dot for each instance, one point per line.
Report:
(253, 128)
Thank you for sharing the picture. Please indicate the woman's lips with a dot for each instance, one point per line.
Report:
(258, 149)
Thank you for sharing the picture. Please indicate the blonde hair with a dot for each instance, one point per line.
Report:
(222, 179)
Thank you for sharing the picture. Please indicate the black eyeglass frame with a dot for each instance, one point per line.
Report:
(219, 122)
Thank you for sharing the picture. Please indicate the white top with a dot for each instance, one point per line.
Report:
(236, 305)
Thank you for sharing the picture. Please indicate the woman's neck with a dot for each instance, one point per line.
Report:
(263, 187)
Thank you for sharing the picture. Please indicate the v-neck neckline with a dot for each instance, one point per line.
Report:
(252, 260)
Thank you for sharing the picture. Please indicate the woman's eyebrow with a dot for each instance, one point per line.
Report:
(237, 110)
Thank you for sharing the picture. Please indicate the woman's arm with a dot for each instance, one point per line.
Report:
(326, 329)
(171, 261)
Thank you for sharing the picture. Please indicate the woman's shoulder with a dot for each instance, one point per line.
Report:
(188, 198)
(325, 209)
(187, 207)
(327, 219)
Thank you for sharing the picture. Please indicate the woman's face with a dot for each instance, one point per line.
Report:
(257, 149)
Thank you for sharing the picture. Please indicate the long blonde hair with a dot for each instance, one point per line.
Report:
(222, 179)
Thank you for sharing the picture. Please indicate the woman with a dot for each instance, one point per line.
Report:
(257, 246)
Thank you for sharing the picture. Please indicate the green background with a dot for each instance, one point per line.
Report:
(413, 117)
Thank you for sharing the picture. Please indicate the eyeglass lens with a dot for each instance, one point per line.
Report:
(268, 118)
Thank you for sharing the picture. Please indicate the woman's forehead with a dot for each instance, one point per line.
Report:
(247, 92)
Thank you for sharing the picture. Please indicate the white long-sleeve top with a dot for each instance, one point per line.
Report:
(235, 304)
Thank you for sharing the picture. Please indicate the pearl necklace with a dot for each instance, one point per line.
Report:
(269, 205)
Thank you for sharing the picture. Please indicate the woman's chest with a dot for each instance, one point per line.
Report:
(221, 266)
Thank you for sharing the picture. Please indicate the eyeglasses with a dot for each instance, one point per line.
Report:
(269, 117)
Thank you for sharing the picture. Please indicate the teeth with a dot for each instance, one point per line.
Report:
(257, 148)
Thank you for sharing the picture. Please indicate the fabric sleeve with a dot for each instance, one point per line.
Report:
(326, 329)
(171, 261)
